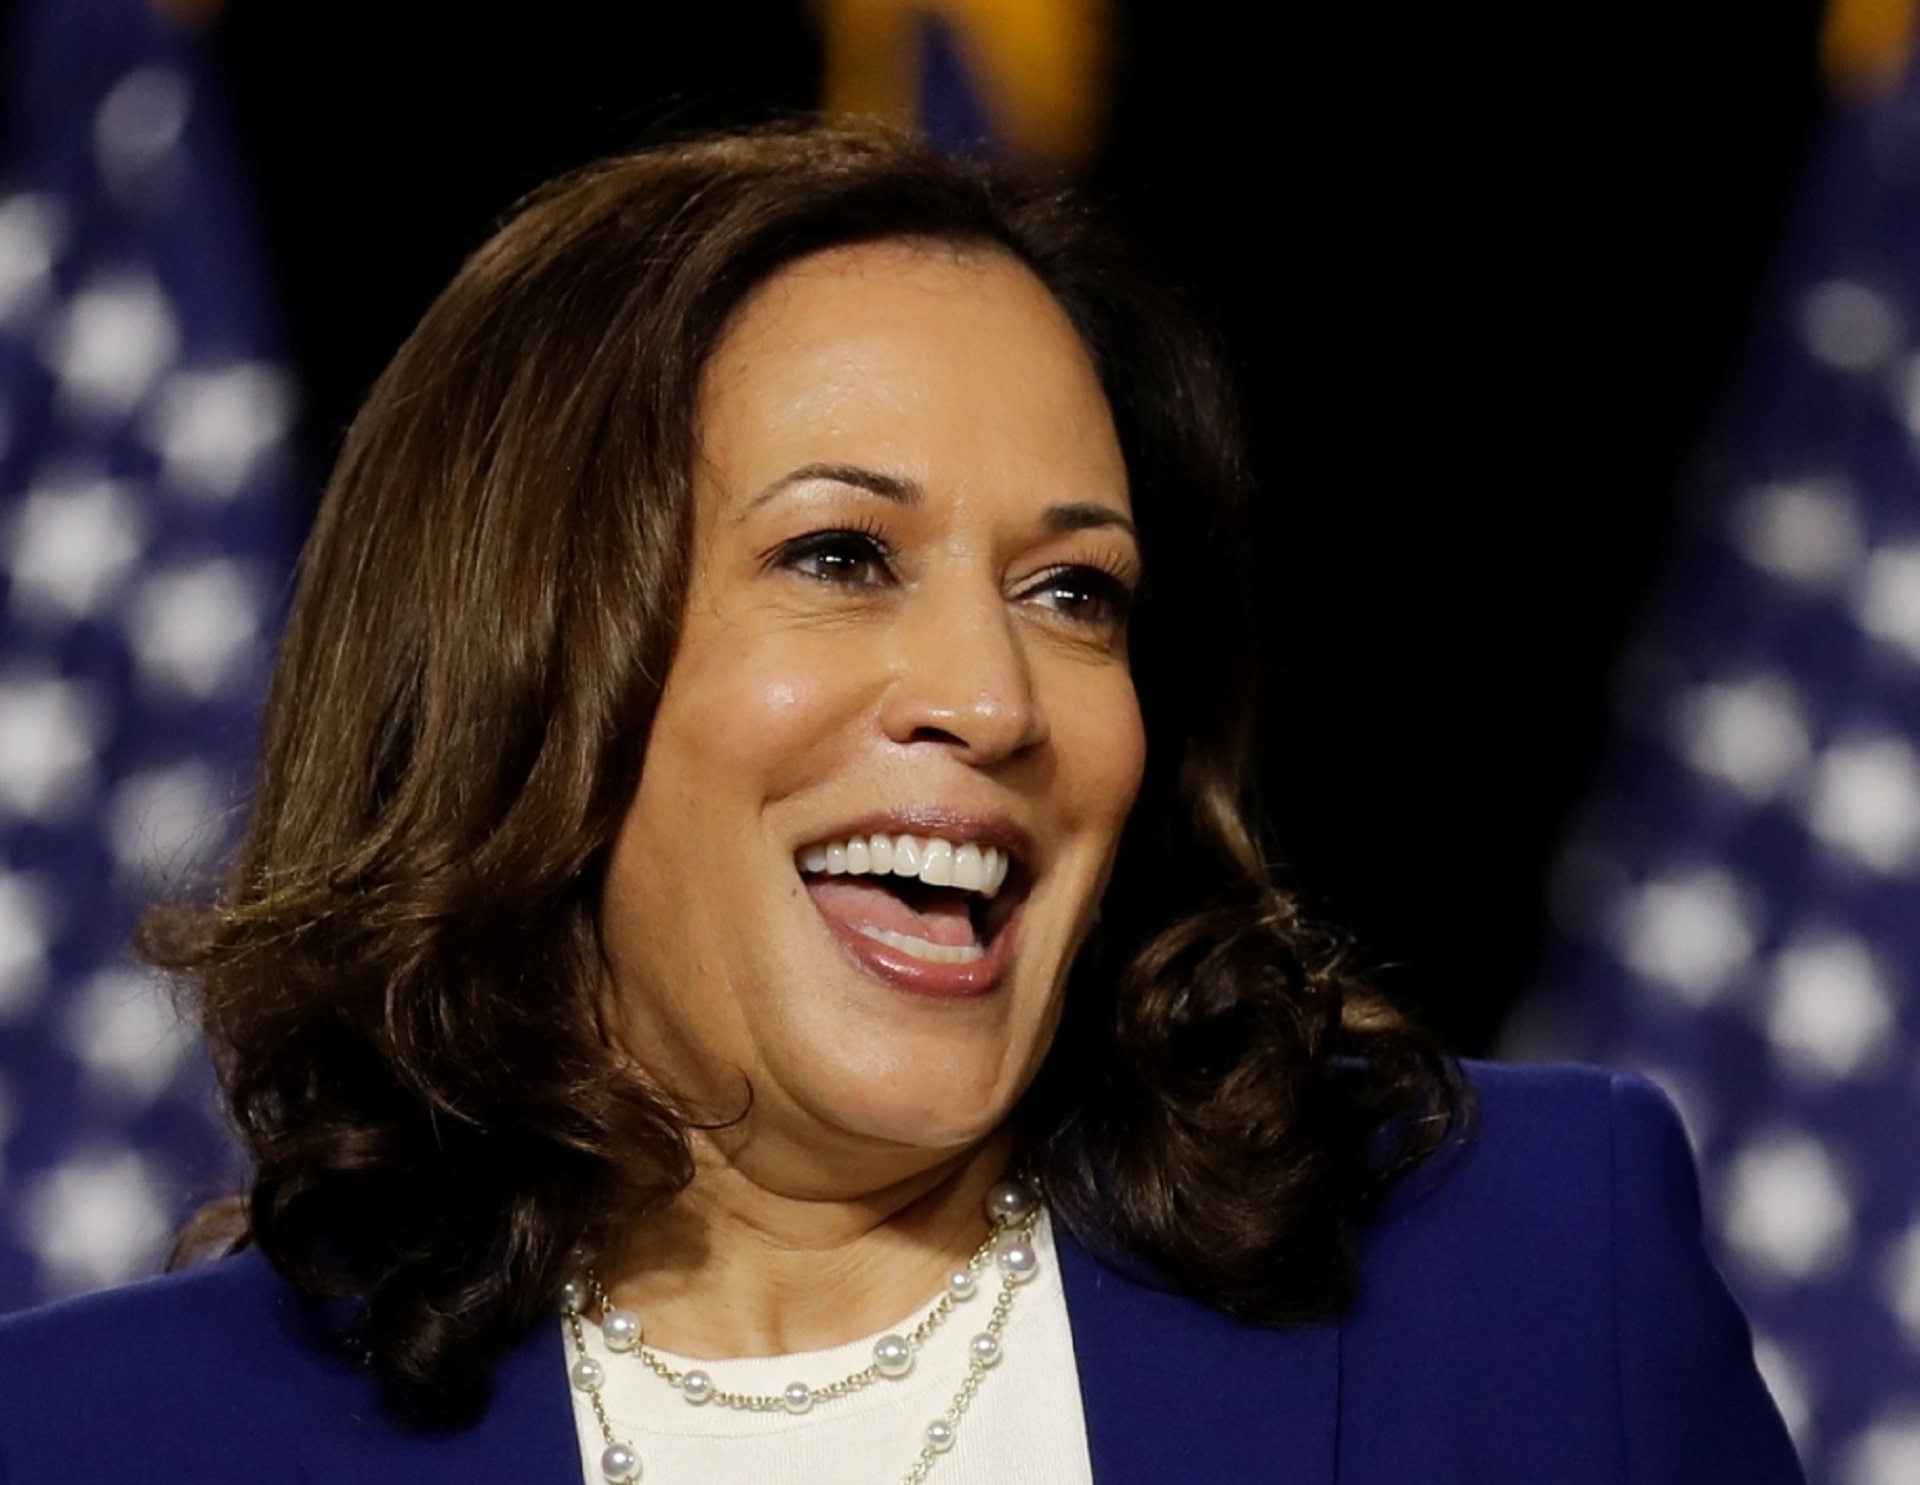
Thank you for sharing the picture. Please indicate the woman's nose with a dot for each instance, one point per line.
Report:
(963, 678)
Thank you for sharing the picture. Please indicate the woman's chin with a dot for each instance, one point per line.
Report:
(863, 1135)
(935, 1131)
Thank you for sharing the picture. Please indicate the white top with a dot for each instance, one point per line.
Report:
(1025, 1423)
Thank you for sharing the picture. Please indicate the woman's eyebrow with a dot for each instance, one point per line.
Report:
(1074, 516)
(1087, 516)
(897, 488)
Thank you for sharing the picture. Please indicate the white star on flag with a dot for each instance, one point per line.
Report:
(1692, 932)
(25, 936)
(125, 1031)
(73, 543)
(1788, 1212)
(1866, 802)
(212, 427)
(1888, 1453)
(1888, 601)
(47, 742)
(1804, 531)
(164, 823)
(1832, 1012)
(116, 338)
(98, 1218)
(193, 627)
(1751, 734)
(29, 237)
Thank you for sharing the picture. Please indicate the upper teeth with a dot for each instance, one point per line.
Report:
(937, 862)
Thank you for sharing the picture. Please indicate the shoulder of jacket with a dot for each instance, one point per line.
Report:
(1539, 1150)
(209, 1295)
(230, 1329)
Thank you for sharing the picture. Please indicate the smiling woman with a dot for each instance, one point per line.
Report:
(748, 888)
(904, 637)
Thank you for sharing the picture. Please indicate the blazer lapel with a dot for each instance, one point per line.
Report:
(526, 1437)
(1175, 1391)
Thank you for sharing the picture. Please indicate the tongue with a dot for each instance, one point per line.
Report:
(938, 915)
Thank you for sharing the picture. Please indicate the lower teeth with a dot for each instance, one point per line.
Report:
(906, 943)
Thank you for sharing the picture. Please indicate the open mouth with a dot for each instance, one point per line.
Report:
(916, 903)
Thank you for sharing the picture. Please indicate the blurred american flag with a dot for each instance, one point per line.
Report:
(144, 481)
(1739, 911)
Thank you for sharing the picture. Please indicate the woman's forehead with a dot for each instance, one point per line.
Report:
(916, 356)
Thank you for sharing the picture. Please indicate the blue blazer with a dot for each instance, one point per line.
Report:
(1536, 1307)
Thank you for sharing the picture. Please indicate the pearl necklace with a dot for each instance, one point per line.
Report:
(1012, 1211)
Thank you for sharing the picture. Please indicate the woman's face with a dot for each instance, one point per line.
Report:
(902, 676)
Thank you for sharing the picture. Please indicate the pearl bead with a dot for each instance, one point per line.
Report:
(696, 1387)
(797, 1397)
(985, 1348)
(588, 1374)
(619, 1463)
(1017, 1260)
(573, 1297)
(1008, 1201)
(893, 1356)
(963, 1283)
(620, 1329)
(940, 1435)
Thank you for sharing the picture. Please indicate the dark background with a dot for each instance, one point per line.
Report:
(1481, 271)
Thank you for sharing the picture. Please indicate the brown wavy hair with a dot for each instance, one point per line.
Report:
(399, 980)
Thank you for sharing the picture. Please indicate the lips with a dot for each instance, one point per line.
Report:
(925, 912)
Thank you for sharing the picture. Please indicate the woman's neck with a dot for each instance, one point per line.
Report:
(738, 1267)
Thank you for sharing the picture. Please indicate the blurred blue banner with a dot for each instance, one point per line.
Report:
(1739, 910)
(144, 469)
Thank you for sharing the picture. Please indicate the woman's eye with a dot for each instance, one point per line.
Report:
(1087, 595)
(853, 558)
